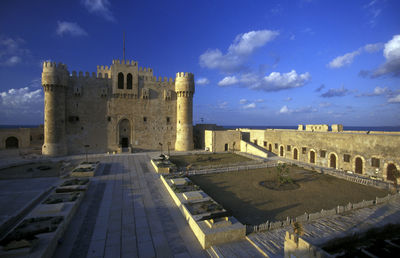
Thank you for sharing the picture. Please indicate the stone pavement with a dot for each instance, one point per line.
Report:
(322, 230)
(128, 213)
(16, 194)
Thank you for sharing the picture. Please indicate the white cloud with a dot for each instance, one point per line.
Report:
(278, 81)
(249, 106)
(243, 101)
(12, 52)
(371, 48)
(259, 100)
(23, 105)
(395, 99)
(348, 58)
(99, 7)
(71, 28)
(378, 91)
(202, 81)
(238, 52)
(288, 99)
(223, 105)
(391, 52)
(227, 81)
(275, 81)
(343, 60)
(286, 110)
(339, 92)
(325, 104)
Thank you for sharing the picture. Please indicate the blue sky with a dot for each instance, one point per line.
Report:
(255, 62)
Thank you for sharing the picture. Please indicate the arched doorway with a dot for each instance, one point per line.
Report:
(281, 151)
(332, 162)
(226, 147)
(390, 172)
(295, 154)
(11, 142)
(312, 157)
(270, 147)
(124, 133)
(358, 165)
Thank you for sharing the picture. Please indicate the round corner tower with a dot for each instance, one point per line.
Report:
(54, 81)
(184, 88)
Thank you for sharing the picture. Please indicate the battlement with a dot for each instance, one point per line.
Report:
(48, 64)
(185, 75)
(86, 75)
(125, 62)
(145, 70)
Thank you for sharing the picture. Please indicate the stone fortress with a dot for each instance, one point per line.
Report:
(367, 153)
(119, 108)
(125, 108)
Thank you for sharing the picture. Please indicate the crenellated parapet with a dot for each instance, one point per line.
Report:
(85, 75)
(184, 84)
(103, 72)
(124, 62)
(54, 74)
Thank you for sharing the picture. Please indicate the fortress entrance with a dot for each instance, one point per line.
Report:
(390, 172)
(124, 131)
(11, 142)
(281, 151)
(226, 147)
(332, 161)
(295, 154)
(270, 147)
(312, 157)
(358, 165)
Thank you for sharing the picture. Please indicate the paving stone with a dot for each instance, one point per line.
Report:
(146, 249)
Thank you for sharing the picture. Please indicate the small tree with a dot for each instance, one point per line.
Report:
(282, 174)
(298, 228)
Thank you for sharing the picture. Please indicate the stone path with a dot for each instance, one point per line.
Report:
(15, 194)
(322, 230)
(128, 213)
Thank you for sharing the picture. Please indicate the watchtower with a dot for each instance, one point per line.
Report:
(184, 88)
(54, 81)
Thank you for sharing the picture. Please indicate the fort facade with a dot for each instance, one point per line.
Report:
(119, 108)
(366, 153)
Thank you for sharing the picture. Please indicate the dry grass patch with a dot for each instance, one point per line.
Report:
(208, 160)
(242, 195)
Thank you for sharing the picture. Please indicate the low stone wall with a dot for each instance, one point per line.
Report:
(295, 246)
(252, 149)
(321, 214)
(207, 231)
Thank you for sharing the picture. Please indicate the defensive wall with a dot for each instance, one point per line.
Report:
(361, 152)
(21, 138)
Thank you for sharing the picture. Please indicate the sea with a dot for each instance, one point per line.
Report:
(346, 128)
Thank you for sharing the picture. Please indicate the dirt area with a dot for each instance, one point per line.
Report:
(35, 170)
(207, 160)
(241, 193)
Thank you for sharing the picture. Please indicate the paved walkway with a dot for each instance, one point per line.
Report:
(128, 213)
(15, 195)
(322, 230)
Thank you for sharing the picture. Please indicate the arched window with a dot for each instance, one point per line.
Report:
(11, 142)
(120, 81)
(129, 81)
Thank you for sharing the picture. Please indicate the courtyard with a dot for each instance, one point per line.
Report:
(252, 203)
(208, 160)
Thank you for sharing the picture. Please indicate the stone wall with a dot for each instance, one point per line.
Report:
(340, 150)
(218, 141)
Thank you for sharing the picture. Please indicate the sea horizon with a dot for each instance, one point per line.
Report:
(345, 127)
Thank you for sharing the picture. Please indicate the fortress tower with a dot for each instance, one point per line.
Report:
(54, 81)
(184, 88)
